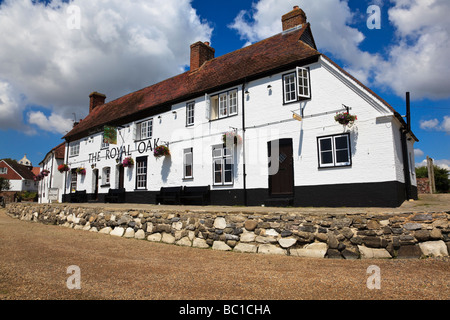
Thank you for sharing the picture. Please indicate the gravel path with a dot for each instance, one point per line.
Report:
(34, 259)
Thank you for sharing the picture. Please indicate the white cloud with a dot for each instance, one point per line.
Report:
(429, 124)
(329, 20)
(418, 153)
(10, 108)
(436, 125)
(418, 62)
(120, 47)
(54, 123)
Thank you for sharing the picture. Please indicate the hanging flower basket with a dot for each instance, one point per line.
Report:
(128, 162)
(345, 118)
(81, 171)
(63, 168)
(45, 172)
(231, 137)
(161, 151)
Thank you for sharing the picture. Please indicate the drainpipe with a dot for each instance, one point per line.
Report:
(65, 172)
(403, 132)
(243, 144)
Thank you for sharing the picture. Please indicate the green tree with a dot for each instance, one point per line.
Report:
(440, 177)
(4, 184)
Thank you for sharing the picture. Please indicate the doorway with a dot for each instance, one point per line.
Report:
(281, 181)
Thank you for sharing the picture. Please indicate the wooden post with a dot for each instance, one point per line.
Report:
(430, 167)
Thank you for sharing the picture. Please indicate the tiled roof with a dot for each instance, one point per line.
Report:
(59, 151)
(22, 170)
(262, 57)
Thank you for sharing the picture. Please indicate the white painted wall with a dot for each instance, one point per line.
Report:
(375, 143)
(54, 180)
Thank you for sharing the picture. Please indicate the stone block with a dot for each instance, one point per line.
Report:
(371, 253)
(221, 246)
(245, 248)
(287, 242)
(118, 232)
(140, 234)
(167, 238)
(271, 249)
(313, 250)
(199, 243)
(156, 237)
(434, 248)
(409, 252)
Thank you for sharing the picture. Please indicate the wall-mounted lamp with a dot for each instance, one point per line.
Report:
(159, 117)
(247, 92)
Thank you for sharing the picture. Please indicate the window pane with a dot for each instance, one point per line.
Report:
(232, 105)
(228, 177)
(342, 156)
(289, 88)
(222, 105)
(188, 171)
(326, 157)
(325, 144)
(217, 153)
(341, 142)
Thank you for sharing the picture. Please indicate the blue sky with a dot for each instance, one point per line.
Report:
(48, 69)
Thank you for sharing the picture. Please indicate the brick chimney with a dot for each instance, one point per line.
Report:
(96, 99)
(293, 19)
(200, 53)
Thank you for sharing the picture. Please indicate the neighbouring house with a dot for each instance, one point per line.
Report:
(51, 183)
(20, 176)
(276, 123)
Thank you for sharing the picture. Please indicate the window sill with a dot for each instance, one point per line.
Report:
(335, 167)
(231, 116)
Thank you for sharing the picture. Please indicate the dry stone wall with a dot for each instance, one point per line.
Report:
(312, 235)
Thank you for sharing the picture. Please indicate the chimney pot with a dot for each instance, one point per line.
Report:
(293, 19)
(96, 99)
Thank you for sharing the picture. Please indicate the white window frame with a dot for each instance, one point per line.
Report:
(232, 102)
(188, 160)
(222, 105)
(141, 173)
(73, 181)
(74, 149)
(144, 129)
(222, 155)
(223, 102)
(334, 151)
(289, 88)
(190, 112)
(4, 170)
(303, 84)
(296, 85)
(106, 175)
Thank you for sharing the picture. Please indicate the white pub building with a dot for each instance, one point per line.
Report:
(276, 123)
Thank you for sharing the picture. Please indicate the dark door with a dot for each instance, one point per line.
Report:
(281, 181)
(121, 176)
(95, 177)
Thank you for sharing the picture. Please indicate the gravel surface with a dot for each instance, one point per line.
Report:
(34, 259)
